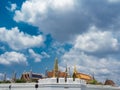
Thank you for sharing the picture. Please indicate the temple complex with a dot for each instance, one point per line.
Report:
(30, 76)
(57, 73)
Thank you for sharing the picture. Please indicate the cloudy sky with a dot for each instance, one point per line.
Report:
(85, 33)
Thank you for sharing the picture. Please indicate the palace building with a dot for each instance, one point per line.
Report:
(30, 76)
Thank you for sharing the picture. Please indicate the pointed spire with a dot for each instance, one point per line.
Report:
(46, 72)
(55, 70)
(93, 76)
(14, 76)
(75, 70)
(4, 77)
(66, 70)
(30, 74)
(69, 72)
(56, 65)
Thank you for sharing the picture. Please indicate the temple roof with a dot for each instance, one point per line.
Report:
(109, 82)
(27, 76)
(59, 74)
(83, 76)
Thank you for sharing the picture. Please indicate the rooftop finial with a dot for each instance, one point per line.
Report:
(75, 70)
(56, 65)
(66, 69)
(55, 70)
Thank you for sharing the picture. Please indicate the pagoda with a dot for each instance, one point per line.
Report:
(56, 72)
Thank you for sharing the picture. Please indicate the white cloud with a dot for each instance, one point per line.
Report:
(96, 40)
(48, 16)
(38, 57)
(81, 54)
(36, 9)
(102, 67)
(33, 10)
(35, 56)
(12, 7)
(9, 58)
(18, 40)
(61, 4)
(45, 55)
(57, 48)
(64, 19)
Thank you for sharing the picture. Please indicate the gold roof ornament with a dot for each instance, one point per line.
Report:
(75, 70)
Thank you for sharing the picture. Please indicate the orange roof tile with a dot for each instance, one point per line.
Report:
(60, 74)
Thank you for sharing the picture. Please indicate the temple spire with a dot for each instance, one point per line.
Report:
(75, 70)
(69, 72)
(14, 76)
(4, 77)
(66, 70)
(56, 65)
(55, 70)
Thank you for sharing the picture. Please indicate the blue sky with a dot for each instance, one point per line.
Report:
(85, 33)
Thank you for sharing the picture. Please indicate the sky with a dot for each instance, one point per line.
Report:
(81, 33)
